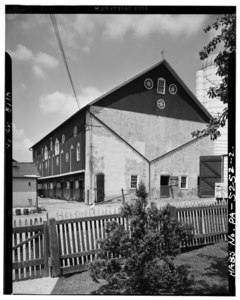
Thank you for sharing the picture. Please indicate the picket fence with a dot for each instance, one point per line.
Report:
(65, 246)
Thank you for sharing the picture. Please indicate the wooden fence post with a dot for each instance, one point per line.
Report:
(54, 248)
(46, 248)
(173, 211)
(123, 202)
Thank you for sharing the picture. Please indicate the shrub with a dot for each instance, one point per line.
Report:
(139, 258)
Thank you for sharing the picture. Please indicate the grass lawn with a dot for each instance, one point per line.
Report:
(208, 274)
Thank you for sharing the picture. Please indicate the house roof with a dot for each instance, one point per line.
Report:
(94, 102)
(24, 169)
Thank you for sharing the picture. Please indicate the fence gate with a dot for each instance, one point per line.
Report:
(30, 252)
(210, 173)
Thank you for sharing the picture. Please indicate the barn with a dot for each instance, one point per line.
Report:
(139, 131)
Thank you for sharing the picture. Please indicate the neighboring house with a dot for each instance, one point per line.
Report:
(25, 176)
(140, 130)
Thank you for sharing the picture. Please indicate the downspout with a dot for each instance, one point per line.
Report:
(91, 199)
(149, 178)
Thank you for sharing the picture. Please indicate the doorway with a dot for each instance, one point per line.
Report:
(81, 190)
(164, 187)
(100, 187)
(71, 189)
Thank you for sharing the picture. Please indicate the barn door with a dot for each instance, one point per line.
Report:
(210, 173)
(164, 188)
(81, 190)
(100, 187)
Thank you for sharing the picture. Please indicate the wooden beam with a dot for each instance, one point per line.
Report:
(54, 248)
(27, 240)
(28, 263)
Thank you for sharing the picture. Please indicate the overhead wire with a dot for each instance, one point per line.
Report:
(58, 37)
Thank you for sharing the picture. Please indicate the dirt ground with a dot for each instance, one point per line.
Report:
(62, 209)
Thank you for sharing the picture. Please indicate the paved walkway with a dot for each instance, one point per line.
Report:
(40, 286)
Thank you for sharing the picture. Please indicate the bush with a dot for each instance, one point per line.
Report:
(139, 258)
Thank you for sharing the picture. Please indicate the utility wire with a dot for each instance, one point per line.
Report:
(55, 26)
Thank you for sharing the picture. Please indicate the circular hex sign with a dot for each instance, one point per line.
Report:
(148, 83)
(161, 103)
(173, 89)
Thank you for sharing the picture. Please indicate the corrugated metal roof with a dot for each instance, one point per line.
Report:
(24, 169)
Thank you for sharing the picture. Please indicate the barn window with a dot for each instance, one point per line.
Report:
(56, 147)
(183, 182)
(45, 153)
(75, 131)
(67, 156)
(134, 180)
(78, 152)
(161, 86)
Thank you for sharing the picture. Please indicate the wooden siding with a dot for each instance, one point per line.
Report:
(67, 129)
(135, 97)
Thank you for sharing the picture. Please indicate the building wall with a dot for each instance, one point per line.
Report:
(23, 194)
(109, 154)
(183, 162)
(151, 135)
(49, 167)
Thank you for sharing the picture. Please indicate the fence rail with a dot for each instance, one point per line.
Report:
(28, 250)
(59, 247)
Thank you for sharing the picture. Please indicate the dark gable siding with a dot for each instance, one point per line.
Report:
(135, 97)
(67, 129)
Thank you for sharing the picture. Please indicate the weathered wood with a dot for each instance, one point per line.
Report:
(46, 252)
(27, 240)
(27, 264)
(123, 202)
(27, 229)
(80, 254)
(54, 248)
(74, 269)
(85, 219)
(73, 242)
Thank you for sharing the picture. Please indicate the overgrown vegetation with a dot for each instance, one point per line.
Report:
(226, 29)
(139, 258)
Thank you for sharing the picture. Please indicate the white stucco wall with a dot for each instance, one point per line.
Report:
(151, 136)
(185, 162)
(23, 194)
(114, 159)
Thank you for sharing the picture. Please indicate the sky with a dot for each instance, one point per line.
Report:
(102, 52)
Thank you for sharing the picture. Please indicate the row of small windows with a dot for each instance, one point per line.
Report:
(78, 155)
(56, 144)
(161, 86)
(183, 182)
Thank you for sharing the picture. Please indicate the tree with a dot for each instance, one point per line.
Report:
(227, 37)
(139, 258)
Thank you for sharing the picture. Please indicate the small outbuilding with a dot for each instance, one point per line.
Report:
(25, 176)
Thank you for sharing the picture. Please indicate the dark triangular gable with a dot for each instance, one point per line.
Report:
(133, 96)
